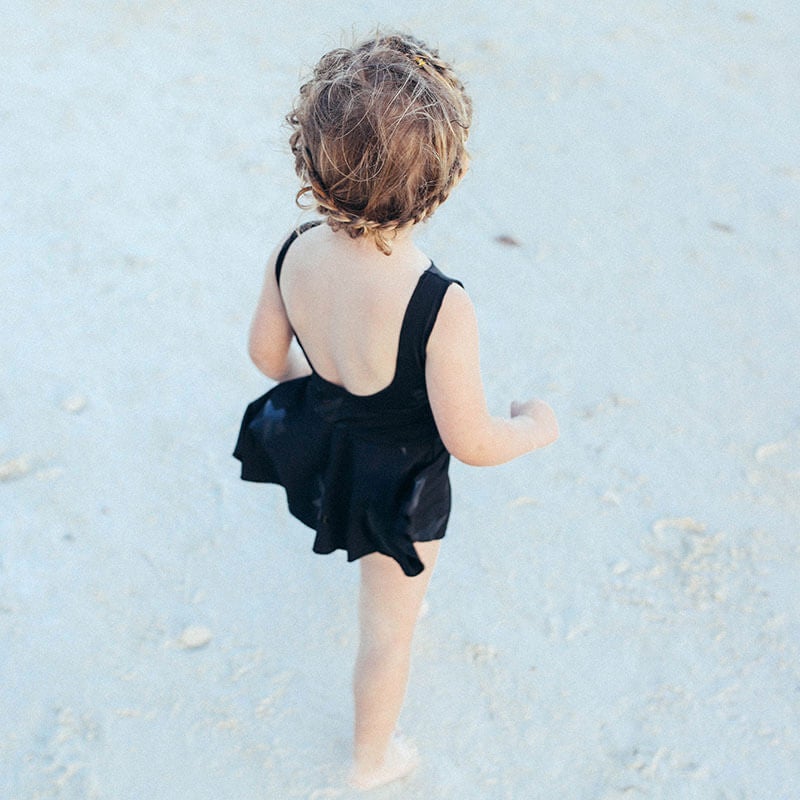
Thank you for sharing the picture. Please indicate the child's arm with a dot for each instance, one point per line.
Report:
(270, 344)
(455, 390)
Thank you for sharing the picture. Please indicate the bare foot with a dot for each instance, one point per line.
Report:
(401, 759)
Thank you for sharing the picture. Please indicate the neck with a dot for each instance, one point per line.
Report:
(404, 237)
(402, 241)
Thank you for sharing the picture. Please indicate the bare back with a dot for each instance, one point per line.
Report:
(346, 302)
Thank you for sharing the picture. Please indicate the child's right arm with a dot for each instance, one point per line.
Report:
(456, 395)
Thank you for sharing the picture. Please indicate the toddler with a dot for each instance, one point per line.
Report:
(383, 383)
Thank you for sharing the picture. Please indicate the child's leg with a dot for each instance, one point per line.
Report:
(389, 606)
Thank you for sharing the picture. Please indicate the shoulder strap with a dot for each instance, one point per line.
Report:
(423, 308)
(285, 249)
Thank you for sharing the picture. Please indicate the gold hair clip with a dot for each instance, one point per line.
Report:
(420, 61)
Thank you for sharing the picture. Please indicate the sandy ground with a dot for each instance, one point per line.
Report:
(615, 618)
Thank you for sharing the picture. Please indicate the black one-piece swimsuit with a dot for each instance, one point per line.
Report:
(367, 473)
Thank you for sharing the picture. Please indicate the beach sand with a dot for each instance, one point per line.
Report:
(617, 617)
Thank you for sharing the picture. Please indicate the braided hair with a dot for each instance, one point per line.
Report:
(379, 136)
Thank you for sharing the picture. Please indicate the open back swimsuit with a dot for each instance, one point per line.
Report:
(367, 473)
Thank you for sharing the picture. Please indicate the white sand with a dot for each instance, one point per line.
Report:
(616, 617)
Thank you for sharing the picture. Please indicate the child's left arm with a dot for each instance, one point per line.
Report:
(270, 345)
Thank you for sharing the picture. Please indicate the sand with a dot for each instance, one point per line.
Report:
(616, 617)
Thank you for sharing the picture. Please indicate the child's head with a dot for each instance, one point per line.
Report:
(379, 136)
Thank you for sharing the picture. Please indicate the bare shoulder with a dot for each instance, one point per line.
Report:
(456, 318)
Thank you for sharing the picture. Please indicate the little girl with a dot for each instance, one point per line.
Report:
(386, 382)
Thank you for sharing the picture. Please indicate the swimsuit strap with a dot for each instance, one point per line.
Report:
(420, 317)
(282, 254)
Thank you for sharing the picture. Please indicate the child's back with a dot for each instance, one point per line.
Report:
(346, 302)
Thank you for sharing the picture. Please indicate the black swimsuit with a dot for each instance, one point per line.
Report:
(368, 473)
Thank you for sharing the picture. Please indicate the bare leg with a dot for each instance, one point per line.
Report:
(389, 606)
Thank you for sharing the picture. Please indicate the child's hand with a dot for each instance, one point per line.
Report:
(542, 415)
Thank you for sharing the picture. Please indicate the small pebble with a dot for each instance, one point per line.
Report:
(721, 226)
(74, 404)
(194, 637)
(15, 468)
(680, 524)
(507, 241)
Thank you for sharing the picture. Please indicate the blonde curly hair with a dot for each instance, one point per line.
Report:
(379, 136)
